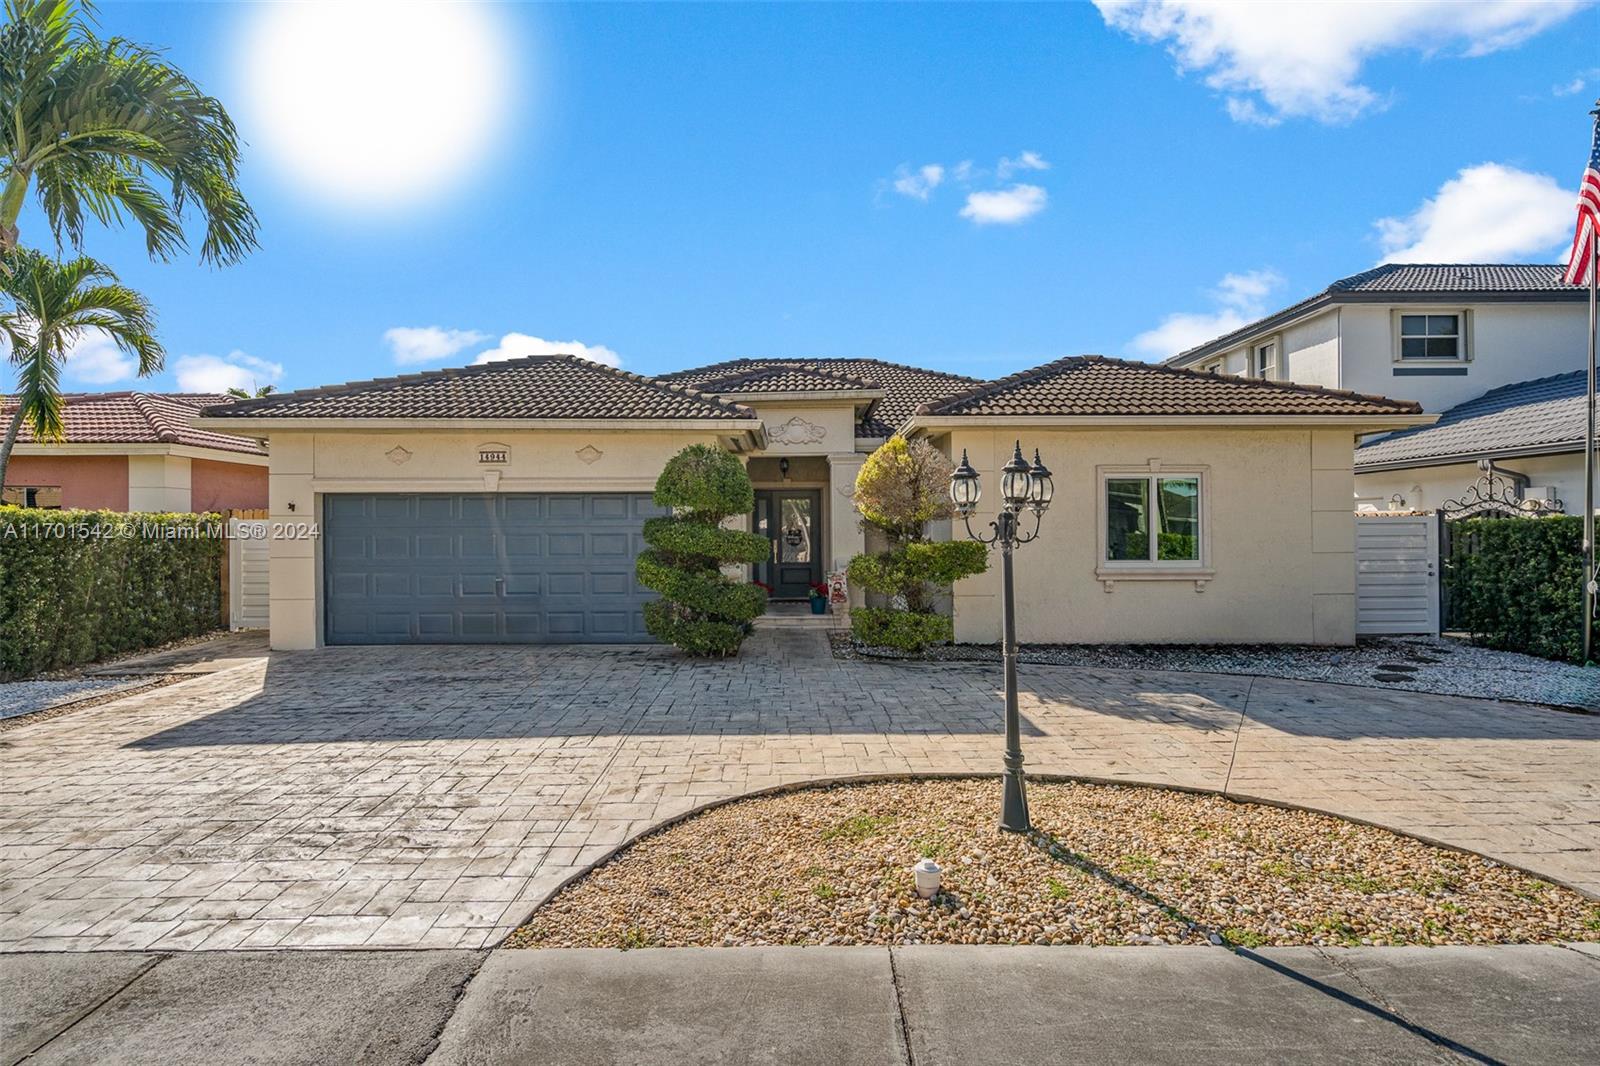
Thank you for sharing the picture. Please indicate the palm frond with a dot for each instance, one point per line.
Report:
(99, 124)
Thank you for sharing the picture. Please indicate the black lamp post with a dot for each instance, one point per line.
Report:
(1021, 486)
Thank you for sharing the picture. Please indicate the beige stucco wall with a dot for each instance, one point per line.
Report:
(1279, 528)
(305, 466)
(805, 428)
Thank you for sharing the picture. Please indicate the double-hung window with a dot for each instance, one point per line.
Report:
(1153, 520)
(1266, 361)
(1430, 337)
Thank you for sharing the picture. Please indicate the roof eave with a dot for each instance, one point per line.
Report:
(1296, 313)
(242, 425)
(1364, 423)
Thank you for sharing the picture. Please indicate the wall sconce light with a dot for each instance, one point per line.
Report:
(783, 468)
(291, 505)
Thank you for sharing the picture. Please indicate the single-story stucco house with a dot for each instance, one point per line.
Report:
(504, 502)
(135, 451)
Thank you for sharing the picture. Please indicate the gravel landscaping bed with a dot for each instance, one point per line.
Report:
(1105, 865)
(23, 702)
(1441, 665)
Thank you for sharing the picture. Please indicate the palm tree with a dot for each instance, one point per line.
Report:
(95, 126)
(54, 303)
(245, 394)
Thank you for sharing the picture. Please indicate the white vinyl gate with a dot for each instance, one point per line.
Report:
(1397, 574)
(247, 573)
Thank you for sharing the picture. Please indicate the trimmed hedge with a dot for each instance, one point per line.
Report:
(79, 586)
(1517, 584)
(882, 627)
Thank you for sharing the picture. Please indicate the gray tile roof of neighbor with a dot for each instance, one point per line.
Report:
(1093, 385)
(1529, 417)
(1530, 281)
(904, 387)
(535, 387)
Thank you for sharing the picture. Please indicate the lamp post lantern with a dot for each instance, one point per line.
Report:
(1022, 487)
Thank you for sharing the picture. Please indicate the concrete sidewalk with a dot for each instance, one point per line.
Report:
(924, 1006)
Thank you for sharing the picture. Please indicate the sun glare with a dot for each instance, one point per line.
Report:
(375, 105)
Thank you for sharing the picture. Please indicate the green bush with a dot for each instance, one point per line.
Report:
(882, 627)
(909, 570)
(701, 610)
(1517, 584)
(901, 488)
(79, 586)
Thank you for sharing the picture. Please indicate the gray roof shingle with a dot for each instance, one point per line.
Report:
(1528, 417)
(137, 418)
(1398, 280)
(1095, 385)
(904, 387)
(535, 387)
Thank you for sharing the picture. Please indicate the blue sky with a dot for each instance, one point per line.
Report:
(677, 185)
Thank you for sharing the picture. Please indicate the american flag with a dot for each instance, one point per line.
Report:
(1588, 230)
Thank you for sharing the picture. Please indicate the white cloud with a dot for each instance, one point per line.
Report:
(424, 344)
(1486, 213)
(966, 172)
(1240, 299)
(219, 373)
(1026, 161)
(95, 359)
(517, 345)
(1284, 60)
(1578, 83)
(1005, 206)
(920, 183)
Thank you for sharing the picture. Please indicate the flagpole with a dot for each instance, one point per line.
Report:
(1590, 574)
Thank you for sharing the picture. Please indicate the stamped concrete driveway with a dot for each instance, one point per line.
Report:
(431, 797)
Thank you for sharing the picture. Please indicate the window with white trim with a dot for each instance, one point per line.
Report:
(1213, 367)
(1152, 519)
(1266, 360)
(1430, 336)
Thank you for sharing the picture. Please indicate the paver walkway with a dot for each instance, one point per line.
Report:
(431, 797)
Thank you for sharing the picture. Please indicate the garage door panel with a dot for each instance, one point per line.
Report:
(484, 569)
(390, 508)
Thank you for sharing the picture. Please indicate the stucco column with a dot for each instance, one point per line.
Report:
(158, 483)
(293, 581)
(1333, 537)
(845, 537)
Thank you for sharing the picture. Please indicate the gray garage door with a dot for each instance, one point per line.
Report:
(503, 569)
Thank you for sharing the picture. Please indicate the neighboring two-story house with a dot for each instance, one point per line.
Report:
(1496, 349)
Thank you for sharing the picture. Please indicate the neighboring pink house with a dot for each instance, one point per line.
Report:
(135, 451)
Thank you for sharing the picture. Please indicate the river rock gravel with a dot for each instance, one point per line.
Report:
(1444, 665)
(1105, 865)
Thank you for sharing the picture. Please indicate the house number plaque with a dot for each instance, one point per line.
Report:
(494, 454)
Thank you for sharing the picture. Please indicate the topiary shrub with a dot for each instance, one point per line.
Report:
(79, 586)
(882, 627)
(902, 487)
(701, 610)
(1517, 584)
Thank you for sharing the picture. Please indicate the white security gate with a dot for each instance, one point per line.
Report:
(1397, 574)
(247, 573)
